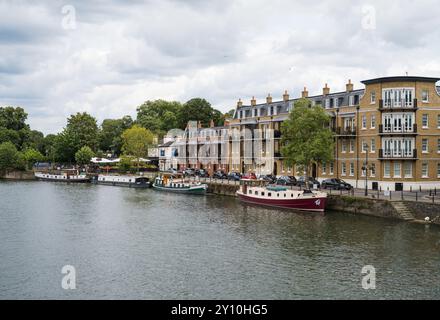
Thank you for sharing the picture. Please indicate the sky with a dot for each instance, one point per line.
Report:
(108, 57)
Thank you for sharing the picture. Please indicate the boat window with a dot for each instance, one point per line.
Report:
(285, 195)
(292, 195)
(256, 193)
(278, 195)
(269, 194)
(262, 193)
(250, 191)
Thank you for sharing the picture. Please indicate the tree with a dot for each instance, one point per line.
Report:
(110, 134)
(34, 140)
(125, 163)
(84, 155)
(81, 130)
(199, 109)
(230, 113)
(136, 141)
(13, 118)
(31, 156)
(159, 116)
(10, 135)
(306, 137)
(9, 156)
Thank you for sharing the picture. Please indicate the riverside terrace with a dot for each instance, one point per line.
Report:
(394, 122)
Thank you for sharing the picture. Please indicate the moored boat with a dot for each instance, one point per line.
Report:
(282, 197)
(172, 183)
(65, 176)
(122, 181)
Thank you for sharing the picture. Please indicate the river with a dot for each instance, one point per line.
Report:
(144, 244)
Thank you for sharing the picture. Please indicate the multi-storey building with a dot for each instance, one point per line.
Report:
(386, 135)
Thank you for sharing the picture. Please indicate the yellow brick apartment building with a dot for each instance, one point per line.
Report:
(386, 134)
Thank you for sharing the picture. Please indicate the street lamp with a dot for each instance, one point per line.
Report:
(365, 167)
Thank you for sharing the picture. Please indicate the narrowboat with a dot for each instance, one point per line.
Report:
(65, 176)
(174, 183)
(282, 197)
(122, 181)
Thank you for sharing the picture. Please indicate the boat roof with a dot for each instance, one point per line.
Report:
(276, 188)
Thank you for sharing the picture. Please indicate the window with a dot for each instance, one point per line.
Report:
(364, 146)
(351, 101)
(363, 171)
(364, 122)
(373, 145)
(425, 96)
(324, 168)
(373, 121)
(344, 146)
(424, 170)
(331, 167)
(327, 103)
(373, 97)
(425, 121)
(344, 169)
(398, 97)
(397, 170)
(373, 170)
(438, 145)
(351, 146)
(255, 112)
(351, 169)
(438, 170)
(386, 169)
(425, 145)
(408, 169)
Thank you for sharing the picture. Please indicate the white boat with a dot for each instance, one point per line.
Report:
(64, 176)
(174, 183)
(123, 181)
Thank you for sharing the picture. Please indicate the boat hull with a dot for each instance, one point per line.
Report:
(123, 184)
(77, 180)
(193, 190)
(316, 204)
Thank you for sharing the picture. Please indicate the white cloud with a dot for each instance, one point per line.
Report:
(123, 53)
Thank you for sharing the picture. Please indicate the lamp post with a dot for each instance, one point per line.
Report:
(366, 168)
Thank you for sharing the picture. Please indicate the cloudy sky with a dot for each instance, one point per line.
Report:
(107, 57)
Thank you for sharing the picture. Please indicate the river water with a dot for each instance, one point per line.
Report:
(144, 244)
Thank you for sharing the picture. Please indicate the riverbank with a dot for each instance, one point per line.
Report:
(17, 175)
(411, 211)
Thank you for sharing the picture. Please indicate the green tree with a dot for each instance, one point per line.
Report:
(84, 155)
(230, 113)
(9, 156)
(81, 130)
(306, 137)
(34, 140)
(125, 163)
(110, 134)
(159, 116)
(11, 136)
(13, 118)
(199, 109)
(31, 156)
(136, 141)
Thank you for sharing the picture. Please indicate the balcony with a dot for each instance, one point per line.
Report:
(395, 105)
(345, 131)
(397, 154)
(391, 131)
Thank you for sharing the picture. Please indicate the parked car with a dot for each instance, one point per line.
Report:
(337, 184)
(250, 176)
(285, 181)
(202, 173)
(310, 182)
(220, 174)
(189, 172)
(268, 178)
(172, 170)
(234, 176)
(293, 179)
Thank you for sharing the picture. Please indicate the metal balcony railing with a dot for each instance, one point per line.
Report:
(397, 154)
(395, 104)
(345, 131)
(402, 130)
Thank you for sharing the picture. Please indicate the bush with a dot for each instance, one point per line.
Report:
(10, 158)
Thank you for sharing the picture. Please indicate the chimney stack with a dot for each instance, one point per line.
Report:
(239, 103)
(326, 90)
(253, 102)
(304, 93)
(349, 86)
(285, 96)
(269, 98)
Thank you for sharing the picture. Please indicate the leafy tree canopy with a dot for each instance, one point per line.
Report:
(136, 141)
(9, 156)
(306, 137)
(159, 116)
(110, 134)
(84, 155)
(199, 109)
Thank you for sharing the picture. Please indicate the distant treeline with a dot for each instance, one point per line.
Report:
(82, 138)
